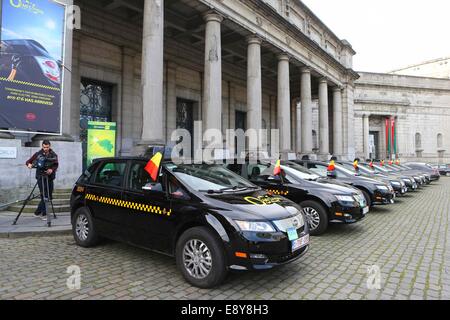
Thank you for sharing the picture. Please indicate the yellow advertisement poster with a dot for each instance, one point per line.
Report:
(101, 140)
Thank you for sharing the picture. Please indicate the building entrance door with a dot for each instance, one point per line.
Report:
(95, 105)
(185, 117)
(374, 144)
(241, 120)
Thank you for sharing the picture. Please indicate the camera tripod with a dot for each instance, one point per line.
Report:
(47, 200)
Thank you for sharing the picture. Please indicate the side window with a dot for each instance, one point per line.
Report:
(258, 172)
(176, 190)
(111, 174)
(236, 168)
(139, 178)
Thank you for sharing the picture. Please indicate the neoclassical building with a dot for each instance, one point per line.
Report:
(157, 65)
(420, 108)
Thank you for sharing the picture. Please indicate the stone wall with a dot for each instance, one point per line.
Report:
(16, 181)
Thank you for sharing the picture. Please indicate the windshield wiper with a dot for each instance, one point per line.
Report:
(211, 191)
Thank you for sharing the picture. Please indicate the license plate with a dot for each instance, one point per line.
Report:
(366, 210)
(300, 243)
(292, 234)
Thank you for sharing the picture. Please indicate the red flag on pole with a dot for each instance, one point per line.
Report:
(277, 170)
(153, 166)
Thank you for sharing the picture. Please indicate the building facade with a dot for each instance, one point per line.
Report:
(420, 108)
(157, 65)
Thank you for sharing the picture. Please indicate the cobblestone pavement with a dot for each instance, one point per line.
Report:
(408, 241)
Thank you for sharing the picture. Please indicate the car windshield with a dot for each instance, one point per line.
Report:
(302, 172)
(346, 171)
(380, 168)
(209, 178)
(391, 168)
(362, 169)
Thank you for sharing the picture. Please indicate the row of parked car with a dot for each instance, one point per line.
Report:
(235, 215)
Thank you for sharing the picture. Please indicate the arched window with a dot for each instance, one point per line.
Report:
(418, 141)
(440, 141)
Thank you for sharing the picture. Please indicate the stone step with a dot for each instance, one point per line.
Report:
(62, 191)
(56, 202)
(61, 196)
(32, 209)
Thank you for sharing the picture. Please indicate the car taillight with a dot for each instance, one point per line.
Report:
(49, 68)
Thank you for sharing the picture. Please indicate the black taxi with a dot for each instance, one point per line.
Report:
(209, 218)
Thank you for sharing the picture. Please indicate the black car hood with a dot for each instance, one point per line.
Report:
(329, 186)
(255, 205)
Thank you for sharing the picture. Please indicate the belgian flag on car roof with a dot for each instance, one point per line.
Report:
(154, 165)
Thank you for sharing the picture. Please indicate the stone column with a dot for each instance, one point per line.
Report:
(298, 135)
(337, 122)
(348, 116)
(153, 74)
(366, 136)
(324, 140)
(254, 87)
(125, 121)
(171, 102)
(212, 96)
(284, 103)
(307, 138)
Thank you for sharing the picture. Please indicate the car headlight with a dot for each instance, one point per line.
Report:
(396, 183)
(345, 198)
(383, 188)
(255, 226)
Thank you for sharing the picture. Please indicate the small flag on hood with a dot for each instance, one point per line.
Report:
(277, 170)
(382, 163)
(390, 162)
(153, 166)
(371, 164)
(331, 166)
(356, 164)
(397, 162)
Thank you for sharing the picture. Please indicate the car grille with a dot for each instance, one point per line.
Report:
(284, 225)
(286, 257)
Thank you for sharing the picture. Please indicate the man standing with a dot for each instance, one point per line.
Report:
(46, 163)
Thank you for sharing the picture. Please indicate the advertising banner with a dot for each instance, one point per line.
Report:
(101, 140)
(31, 65)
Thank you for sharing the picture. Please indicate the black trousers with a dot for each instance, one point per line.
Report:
(43, 190)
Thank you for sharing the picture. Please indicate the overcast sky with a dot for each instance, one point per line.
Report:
(388, 34)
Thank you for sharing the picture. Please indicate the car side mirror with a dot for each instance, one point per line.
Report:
(87, 174)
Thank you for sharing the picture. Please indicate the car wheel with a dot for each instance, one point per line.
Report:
(201, 258)
(83, 228)
(368, 198)
(317, 217)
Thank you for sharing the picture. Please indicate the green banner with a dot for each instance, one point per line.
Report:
(101, 140)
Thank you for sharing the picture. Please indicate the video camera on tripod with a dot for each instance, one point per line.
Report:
(43, 163)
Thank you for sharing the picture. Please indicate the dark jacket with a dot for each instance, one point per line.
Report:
(53, 163)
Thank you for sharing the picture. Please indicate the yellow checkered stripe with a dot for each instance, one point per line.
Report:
(278, 192)
(31, 84)
(130, 205)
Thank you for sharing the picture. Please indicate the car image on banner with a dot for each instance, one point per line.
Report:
(31, 66)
